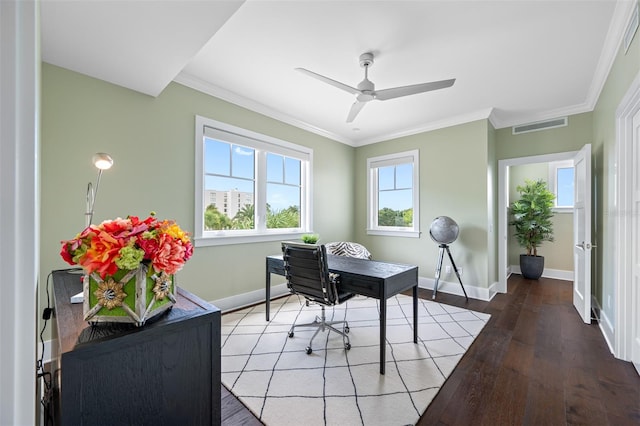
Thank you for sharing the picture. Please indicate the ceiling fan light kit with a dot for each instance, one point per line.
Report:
(366, 89)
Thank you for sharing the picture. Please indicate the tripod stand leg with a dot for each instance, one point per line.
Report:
(457, 273)
(438, 269)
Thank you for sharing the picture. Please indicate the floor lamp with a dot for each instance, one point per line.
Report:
(102, 161)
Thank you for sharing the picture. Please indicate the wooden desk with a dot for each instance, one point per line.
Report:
(165, 372)
(380, 280)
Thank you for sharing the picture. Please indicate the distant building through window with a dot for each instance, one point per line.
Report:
(264, 184)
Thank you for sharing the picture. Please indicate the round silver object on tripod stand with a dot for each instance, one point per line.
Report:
(444, 231)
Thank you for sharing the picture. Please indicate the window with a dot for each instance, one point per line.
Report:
(393, 203)
(561, 178)
(264, 182)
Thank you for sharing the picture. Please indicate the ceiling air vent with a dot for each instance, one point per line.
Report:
(539, 125)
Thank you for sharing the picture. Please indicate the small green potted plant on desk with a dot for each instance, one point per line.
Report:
(532, 223)
(310, 238)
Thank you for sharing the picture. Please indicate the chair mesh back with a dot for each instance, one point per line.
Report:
(307, 272)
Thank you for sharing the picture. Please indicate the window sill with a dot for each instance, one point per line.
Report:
(394, 233)
(562, 209)
(223, 240)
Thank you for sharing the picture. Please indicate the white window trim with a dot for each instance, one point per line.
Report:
(553, 183)
(204, 238)
(372, 194)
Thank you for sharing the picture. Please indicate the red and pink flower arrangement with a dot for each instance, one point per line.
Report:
(128, 243)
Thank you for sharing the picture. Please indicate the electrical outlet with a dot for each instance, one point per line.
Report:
(447, 269)
(460, 270)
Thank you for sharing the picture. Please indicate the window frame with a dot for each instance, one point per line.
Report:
(553, 184)
(262, 144)
(373, 164)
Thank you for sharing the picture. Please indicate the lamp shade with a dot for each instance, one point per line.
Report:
(102, 161)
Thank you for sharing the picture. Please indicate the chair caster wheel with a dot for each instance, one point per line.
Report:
(309, 350)
(346, 329)
(347, 346)
(291, 334)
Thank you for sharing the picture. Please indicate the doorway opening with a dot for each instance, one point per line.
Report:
(503, 206)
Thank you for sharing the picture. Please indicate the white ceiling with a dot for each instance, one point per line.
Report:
(514, 61)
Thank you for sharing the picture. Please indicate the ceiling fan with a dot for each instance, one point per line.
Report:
(366, 90)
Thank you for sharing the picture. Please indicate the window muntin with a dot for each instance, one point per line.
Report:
(249, 187)
(393, 194)
(561, 183)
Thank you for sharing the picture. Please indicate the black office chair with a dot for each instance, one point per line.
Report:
(307, 275)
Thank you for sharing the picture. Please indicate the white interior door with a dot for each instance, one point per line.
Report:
(635, 251)
(582, 233)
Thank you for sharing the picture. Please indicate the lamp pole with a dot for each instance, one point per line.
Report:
(102, 161)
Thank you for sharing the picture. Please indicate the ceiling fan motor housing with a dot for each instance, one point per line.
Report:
(366, 59)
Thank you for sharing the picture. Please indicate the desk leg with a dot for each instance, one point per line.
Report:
(267, 291)
(383, 332)
(415, 314)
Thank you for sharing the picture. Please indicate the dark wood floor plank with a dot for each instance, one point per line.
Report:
(545, 405)
(508, 399)
(526, 327)
(534, 363)
(472, 395)
(519, 358)
(582, 402)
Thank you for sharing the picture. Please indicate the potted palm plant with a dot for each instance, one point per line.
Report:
(531, 219)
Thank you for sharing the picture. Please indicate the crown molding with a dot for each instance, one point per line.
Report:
(482, 114)
(499, 123)
(618, 25)
(226, 95)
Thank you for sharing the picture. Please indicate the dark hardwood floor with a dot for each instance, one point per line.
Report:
(534, 363)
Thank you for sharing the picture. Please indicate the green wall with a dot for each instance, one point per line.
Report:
(453, 182)
(572, 137)
(152, 143)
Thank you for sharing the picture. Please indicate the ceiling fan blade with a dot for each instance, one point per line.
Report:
(397, 92)
(355, 109)
(327, 80)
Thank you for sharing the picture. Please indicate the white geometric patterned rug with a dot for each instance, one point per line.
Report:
(282, 385)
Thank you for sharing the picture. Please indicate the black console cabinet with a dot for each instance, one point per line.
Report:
(166, 372)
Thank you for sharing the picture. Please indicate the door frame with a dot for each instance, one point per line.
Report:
(503, 206)
(619, 205)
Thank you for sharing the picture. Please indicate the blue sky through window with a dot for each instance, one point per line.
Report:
(564, 196)
(229, 166)
(395, 186)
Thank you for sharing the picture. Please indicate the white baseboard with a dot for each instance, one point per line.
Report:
(557, 274)
(607, 330)
(246, 299)
(480, 293)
